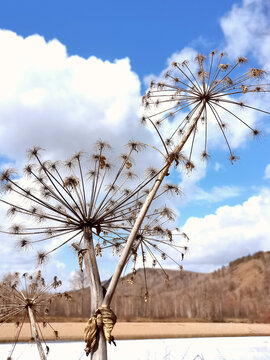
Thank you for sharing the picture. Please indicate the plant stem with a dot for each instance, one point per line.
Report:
(35, 334)
(96, 293)
(126, 251)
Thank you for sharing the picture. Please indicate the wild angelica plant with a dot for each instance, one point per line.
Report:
(93, 208)
(211, 89)
(24, 298)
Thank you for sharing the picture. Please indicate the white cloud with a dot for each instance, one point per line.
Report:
(232, 232)
(267, 172)
(246, 30)
(217, 194)
(63, 103)
(217, 166)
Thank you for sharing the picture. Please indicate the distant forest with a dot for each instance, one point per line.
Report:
(237, 292)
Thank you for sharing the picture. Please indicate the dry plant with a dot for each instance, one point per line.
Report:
(28, 298)
(115, 217)
(93, 209)
(208, 90)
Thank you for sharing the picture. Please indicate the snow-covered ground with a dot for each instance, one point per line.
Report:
(234, 348)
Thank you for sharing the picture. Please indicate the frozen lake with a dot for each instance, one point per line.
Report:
(228, 348)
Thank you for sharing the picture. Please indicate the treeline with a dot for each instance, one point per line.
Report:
(240, 291)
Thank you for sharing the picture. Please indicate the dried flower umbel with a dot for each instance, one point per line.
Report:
(25, 298)
(64, 199)
(92, 206)
(210, 91)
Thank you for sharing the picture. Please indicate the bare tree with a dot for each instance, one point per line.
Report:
(79, 281)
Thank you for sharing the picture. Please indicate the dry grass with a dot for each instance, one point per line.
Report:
(138, 330)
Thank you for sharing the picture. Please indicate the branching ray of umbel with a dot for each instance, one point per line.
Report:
(209, 90)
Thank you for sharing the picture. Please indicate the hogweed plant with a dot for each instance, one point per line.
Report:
(91, 205)
(27, 298)
(209, 92)
(115, 216)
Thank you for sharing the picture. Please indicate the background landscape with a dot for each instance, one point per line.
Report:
(238, 292)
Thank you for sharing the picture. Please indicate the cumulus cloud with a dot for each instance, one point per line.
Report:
(218, 194)
(246, 30)
(63, 103)
(232, 232)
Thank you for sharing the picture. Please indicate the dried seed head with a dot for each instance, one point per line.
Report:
(130, 175)
(151, 172)
(242, 60)
(55, 165)
(213, 53)
(34, 152)
(223, 67)
(169, 142)
(143, 120)
(244, 88)
(169, 213)
(12, 211)
(135, 145)
(256, 132)
(185, 62)
(42, 257)
(23, 243)
(78, 155)
(172, 189)
(200, 58)
(28, 169)
(70, 182)
(189, 165)
(233, 158)
(205, 155)
(15, 229)
(255, 73)
(102, 145)
(7, 175)
(202, 74)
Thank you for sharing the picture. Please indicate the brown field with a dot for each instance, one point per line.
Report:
(138, 330)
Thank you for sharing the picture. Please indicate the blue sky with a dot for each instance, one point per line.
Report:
(145, 31)
(65, 64)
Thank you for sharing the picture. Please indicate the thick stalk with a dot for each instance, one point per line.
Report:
(132, 236)
(35, 333)
(96, 293)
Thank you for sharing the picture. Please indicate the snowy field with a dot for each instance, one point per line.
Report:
(230, 348)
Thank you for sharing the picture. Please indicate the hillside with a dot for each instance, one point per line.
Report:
(238, 291)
